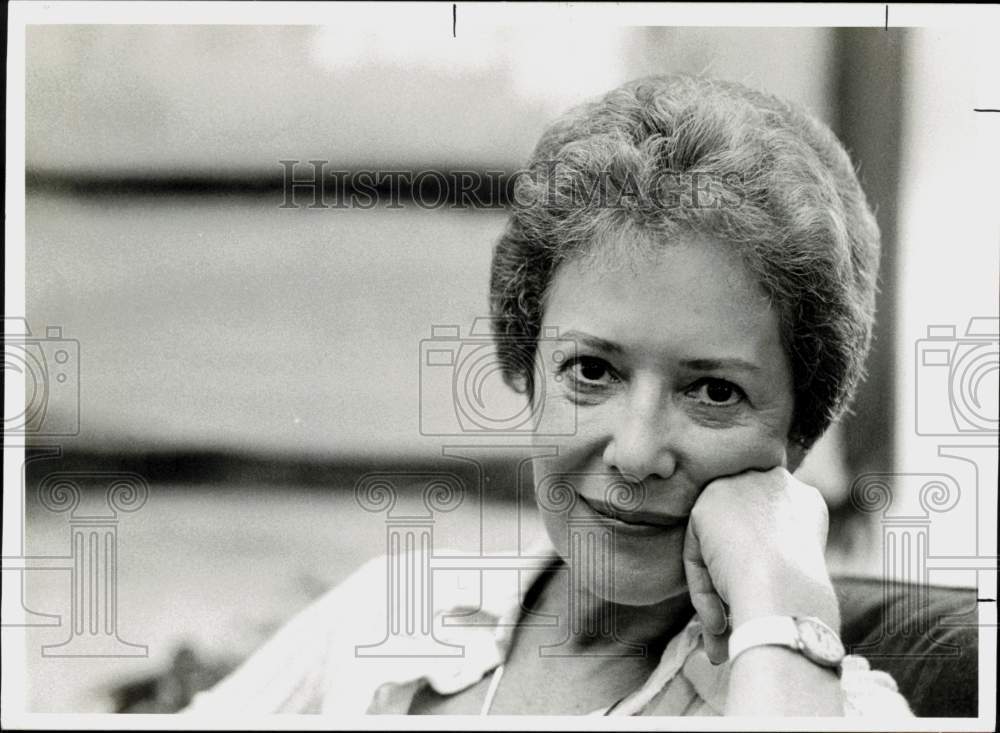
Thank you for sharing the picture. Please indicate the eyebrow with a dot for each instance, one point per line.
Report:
(593, 341)
(708, 365)
(702, 365)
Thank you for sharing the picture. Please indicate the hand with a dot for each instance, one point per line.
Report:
(755, 542)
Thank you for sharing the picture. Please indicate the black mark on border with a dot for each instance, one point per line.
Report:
(454, 19)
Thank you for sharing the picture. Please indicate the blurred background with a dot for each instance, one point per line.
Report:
(251, 361)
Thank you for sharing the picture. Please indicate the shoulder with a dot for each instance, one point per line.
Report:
(343, 646)
(284, 674)
(398, 617)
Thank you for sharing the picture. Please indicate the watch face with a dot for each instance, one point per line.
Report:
(819, 642)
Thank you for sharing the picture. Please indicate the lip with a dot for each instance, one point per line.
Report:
(643, 522)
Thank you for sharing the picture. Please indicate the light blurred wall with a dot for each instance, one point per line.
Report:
(949, 192)
(949, 281)
(224, 321)
(194, 98)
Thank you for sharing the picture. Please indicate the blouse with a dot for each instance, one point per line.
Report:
(333, 656)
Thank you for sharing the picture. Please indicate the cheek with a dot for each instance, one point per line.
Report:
(559, 422)
(711, 454)
(580, 449)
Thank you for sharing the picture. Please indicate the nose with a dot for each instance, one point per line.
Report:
(643, 443)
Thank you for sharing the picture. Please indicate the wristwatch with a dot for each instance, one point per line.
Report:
(806, 634)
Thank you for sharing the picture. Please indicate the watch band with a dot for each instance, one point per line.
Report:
(806, 634)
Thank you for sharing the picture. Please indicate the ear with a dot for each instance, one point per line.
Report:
(519, 383)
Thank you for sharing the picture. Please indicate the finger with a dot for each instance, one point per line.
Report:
(705, 598)
(717, 647)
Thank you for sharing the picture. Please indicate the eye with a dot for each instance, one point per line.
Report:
(588, 371)
(716, 392)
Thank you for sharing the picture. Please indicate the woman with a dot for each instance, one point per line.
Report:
(708, 251)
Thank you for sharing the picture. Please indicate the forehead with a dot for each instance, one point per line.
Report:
(693, 295)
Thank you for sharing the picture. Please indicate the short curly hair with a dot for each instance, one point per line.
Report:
(790, 205)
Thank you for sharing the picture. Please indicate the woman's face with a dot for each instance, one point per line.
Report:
(678, 378)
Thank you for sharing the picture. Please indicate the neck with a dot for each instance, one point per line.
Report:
(594, 623)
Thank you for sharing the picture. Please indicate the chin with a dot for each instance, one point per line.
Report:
(644, 572)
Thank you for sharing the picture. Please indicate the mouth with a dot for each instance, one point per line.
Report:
(645, 522)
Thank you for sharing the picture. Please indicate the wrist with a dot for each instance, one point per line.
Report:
(789, 595)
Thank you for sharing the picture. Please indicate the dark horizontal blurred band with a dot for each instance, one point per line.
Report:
(434, 186)
(201, 469)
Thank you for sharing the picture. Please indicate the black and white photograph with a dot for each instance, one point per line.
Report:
(517, 365)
